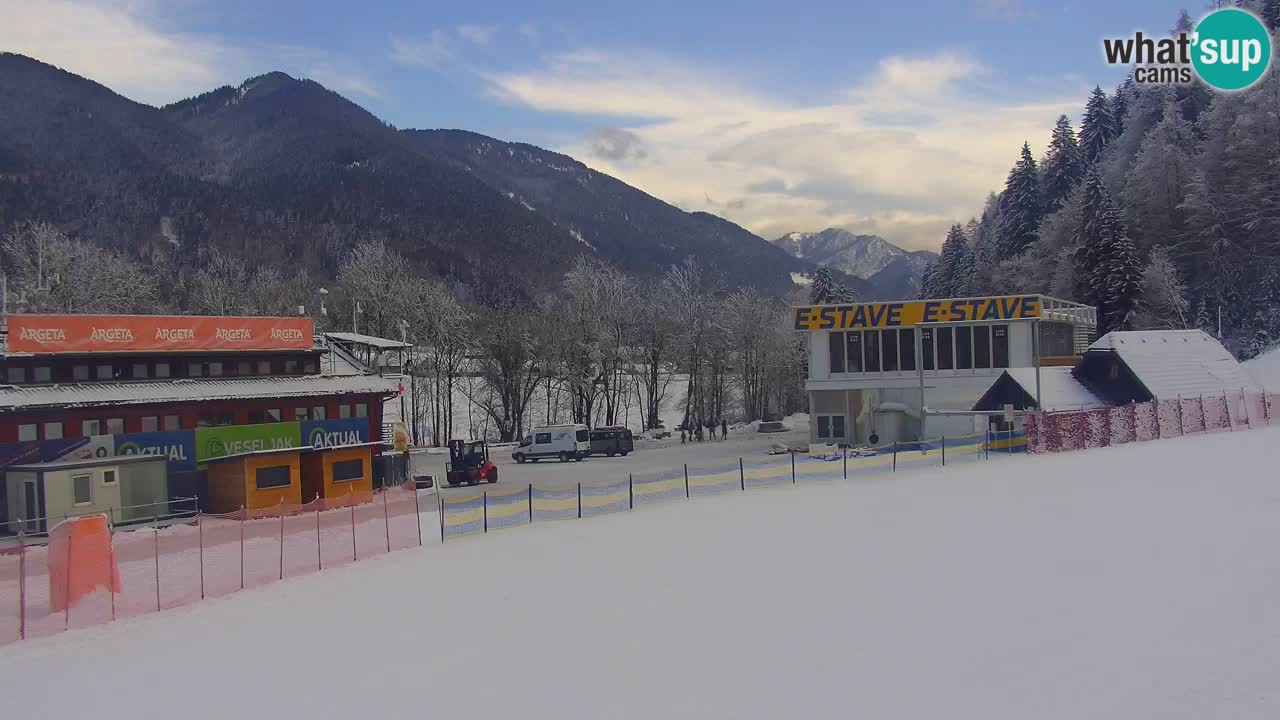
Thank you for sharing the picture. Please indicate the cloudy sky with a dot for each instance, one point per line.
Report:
(890, 118)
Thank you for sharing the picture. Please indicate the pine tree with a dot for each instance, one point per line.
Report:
(1120, 102)
(1271, 14)
(926, 280)
(823, 290)
(1124, 279)
(1112, 274)
(1099, 126)
(1020, 211)
(954, 271)
(1062, 167)
(1158, 181)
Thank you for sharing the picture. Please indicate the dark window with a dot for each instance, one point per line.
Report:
(926, 347)
(853, 344)
(17, 375)
(291, 367)
(82, 489)
(317, 413)
(300, 413)
(835, 350)
(824, 426)
(44, 374)
(105, 372)
(172, 422)
(115, 426)
(264, 367)
(964, 348)
(195, 369)
(80, 372)
(982, 346)
(345, 470)
(362, 410)
(889, 344)
(272, 477)
(108, 477)
(89, 428)
(1000, 346)
(215, 369)
(344, 411)
(581, 436)
(257, 417)
(139, 371)
(150, 423)
(244, 367)
(53, 431)
(945, 361)
(542, 438)
(309, 365)
(226, 417)
(162, 369)
(204, 420)
(871, 352)
(907, 349)
(28, 433)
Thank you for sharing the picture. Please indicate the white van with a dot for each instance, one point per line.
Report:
(566, 442)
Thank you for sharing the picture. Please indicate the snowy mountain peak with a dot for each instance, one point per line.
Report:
(895, 272)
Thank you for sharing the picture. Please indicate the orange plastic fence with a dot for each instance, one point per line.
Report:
(81, 561)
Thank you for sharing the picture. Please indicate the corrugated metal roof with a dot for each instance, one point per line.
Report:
(1172, 363)
(136, 393)
(1059, 390)
(369, 340)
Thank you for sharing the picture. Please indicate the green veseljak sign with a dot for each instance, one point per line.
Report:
(215, 442)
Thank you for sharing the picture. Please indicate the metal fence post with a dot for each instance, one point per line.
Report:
(157, 537)
(200, 530)
(844, 462)
(944, 450)
(530, 503)
(241, 547)
(484, 500)
(793, 467)
(579, 501)
(895, 456)
(686, 480)
(986, 443)
(1182, 422)
(386, 514)
(281, 539)
(742, 475)
(355, 555)
(631, 492)
(417, 512)
(1133, 420)
(319, 560)
(1204, 415)
(1244, 401)
(22, 587)
(1227, 403)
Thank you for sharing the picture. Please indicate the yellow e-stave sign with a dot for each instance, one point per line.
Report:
(914, 312)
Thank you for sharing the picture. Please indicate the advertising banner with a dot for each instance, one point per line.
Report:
(331, 433)
(214, 442)
(910, 313)
(134, 333)
(178, 446)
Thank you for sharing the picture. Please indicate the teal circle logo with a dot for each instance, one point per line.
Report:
(1231, 49)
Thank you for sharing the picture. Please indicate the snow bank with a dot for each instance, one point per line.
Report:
(1265, 369)
(1137, 581)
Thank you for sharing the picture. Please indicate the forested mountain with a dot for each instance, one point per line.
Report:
(283, 173)
(1164, 212)
(890, 272)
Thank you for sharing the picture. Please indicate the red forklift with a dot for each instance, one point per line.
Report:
(469, 464)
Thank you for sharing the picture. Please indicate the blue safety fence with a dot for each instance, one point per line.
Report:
(495, 509)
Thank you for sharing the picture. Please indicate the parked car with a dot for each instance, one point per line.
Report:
(566, 442)
(612, 441)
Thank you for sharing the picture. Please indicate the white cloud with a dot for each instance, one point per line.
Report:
(430, 50)
(478, 34)
(115, 45)
(904, 152)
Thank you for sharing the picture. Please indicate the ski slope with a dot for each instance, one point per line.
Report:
(1133, 582)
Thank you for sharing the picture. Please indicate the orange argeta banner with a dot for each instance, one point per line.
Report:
(155, 333)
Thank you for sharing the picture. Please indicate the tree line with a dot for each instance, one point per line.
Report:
(601, 343)
(1163, 211)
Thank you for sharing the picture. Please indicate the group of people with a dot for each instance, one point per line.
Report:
(696, 434)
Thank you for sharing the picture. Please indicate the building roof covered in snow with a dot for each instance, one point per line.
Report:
(1143, 365)
(370, 340)
(1059, 390)
(14, 397)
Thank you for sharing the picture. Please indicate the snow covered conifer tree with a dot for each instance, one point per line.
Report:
(1020, 205)
(1099, 126)
(926, 280)
(1062, 167)
(1124, 277)
(954, 270)
(823, 290)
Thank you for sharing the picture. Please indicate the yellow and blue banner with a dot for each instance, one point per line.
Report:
(909, 313)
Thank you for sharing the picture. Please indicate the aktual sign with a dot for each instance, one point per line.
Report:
(178, 446)
(216, 442)
(151, 333)
(914, 312)
(333, 433)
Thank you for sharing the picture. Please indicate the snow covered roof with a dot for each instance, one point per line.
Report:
(1059, 390)
(1172, 363)
(1265, 368)
(136, 393)
(370, 340)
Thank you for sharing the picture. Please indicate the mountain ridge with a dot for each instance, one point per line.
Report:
(890, 272)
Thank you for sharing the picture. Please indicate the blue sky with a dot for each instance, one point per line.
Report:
(894, 118)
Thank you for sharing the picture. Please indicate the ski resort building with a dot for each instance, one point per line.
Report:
(894, 371)
(190, 389)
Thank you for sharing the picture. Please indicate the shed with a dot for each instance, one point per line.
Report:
(335, 472)
(1059, 390)
(1143, 365)
(255, 480)
(125, 488)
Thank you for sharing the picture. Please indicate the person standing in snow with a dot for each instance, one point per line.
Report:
(724, 429)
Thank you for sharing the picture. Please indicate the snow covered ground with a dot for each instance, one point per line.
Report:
(1132, 582)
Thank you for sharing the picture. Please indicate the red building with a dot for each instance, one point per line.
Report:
(189, 387)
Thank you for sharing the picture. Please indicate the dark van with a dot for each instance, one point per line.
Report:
(612, 441)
